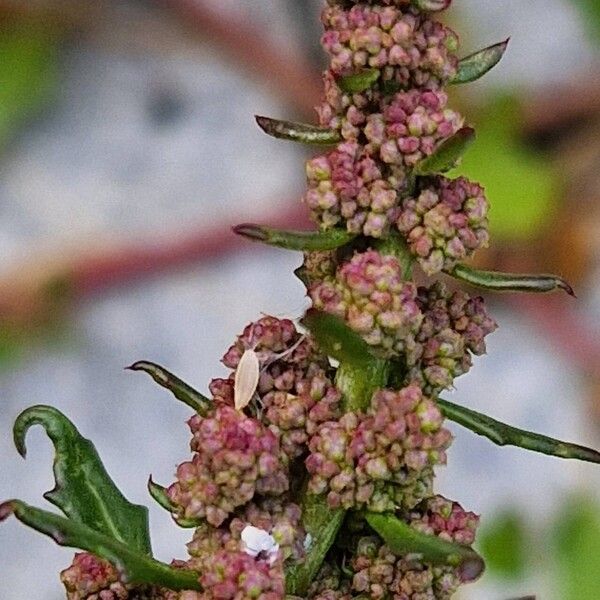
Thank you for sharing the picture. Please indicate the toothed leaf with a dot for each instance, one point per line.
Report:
(83, 489)
(134, 566)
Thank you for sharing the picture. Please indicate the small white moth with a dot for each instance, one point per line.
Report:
(255, 541)
(246, 379)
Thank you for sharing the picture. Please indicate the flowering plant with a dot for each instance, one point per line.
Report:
(312, 464)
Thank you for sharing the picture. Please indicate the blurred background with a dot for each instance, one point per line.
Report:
(127, 150)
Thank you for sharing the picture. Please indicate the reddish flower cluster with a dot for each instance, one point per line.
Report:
(410, 49)
(370, 294)
(454, 327)
(295, 392)
(409, 127)
(347, 186)
(235, 457)
(382, 459)
(445, 223)
(91, 578)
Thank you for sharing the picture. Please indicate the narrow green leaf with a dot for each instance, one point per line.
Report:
(505, 435)
(136, 568)
(476, 65)
(359, 82)
(181, 390)
(402, 539)
(299, 132)
(511, 282)
(159, 494)
(83, 489)
(308, 241)
(447, 154)
(321, 524)
(431, 5)
(337, 339)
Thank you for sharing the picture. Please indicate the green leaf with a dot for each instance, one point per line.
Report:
(503, 544)
(136, 568)
(159, 495)
(431, 5)
(505, 435)
(83, 489)
(402, 539)
(295, 240)
(337, 340)
(181, 390)
(447, 154)
(577, 549)
(511, 282)
(359, 82)
(476, 65)
(321, 523)
(298, 132)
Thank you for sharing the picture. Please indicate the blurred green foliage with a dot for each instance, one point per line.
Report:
(591, 14)
(566, 554)
(503, 545)
(28, 73)
(520, 184)
(577, 549)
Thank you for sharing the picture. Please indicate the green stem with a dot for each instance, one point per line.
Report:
(321, 522)
(358, 384)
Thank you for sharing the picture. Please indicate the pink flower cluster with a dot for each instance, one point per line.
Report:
(445, 223)
(454, 327)
(295, 391)
(347, 186)
(235, 457)
(409, 127)
(277, 517)
(446, 519)
(91, 578)
(238, 576)
(408, 47)
(381, 574)
(382, 459)
(370, 294)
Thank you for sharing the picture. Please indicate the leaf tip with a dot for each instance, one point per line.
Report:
(7, 509)
(563, 284)
(251, 231)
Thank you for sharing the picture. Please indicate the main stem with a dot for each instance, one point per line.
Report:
(356, 384)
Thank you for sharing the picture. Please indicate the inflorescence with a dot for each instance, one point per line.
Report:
(252, 467)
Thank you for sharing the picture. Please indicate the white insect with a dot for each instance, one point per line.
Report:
(256, 541)
(246, 379)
